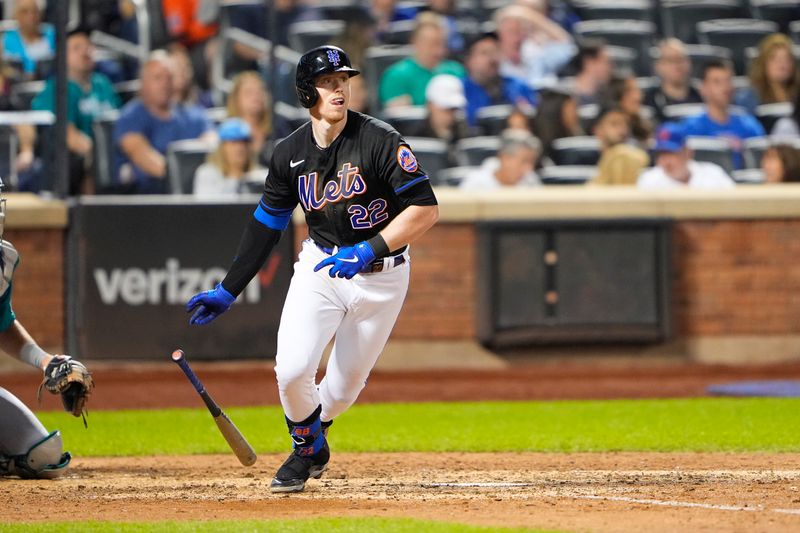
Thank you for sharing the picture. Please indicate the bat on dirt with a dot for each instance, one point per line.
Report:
(235, 439)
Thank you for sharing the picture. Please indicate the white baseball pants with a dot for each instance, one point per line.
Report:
(360, 312)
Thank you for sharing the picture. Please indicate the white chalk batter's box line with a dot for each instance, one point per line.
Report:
(663, 503)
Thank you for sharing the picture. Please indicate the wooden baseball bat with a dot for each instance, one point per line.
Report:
(235, 439)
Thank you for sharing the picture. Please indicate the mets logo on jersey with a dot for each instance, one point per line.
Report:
(333, 57)
(406, 159)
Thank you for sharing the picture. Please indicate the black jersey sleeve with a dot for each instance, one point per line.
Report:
(397, 164)
(272, 215)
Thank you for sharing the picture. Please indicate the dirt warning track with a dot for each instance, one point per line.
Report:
(594, 492)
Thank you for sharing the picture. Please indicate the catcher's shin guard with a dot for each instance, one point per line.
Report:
(44, 460)
(309, 458)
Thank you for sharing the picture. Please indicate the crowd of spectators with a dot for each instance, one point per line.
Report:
(465, 62)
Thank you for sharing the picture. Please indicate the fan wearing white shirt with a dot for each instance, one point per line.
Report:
(512, 167)
(676, 168)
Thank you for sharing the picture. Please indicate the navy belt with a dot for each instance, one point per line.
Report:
(375, 266)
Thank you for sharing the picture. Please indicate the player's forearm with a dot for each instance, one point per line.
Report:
(18, 343)
(255, 246)
(409, 225)
(142, 154)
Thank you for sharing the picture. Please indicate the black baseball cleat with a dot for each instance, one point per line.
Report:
(295, 471)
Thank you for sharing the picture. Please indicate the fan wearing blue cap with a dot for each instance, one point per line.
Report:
(231, 165)
(676, 167)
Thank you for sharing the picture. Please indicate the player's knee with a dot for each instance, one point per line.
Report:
(293, 376)
(45, 459)
(345, 393)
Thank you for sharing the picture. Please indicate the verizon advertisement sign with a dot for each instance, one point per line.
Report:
(133, 265)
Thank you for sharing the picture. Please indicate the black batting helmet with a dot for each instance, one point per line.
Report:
(315, 62)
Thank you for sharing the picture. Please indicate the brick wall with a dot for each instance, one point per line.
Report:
(731, 277)
(736, 277)
(441, 296)
(38, 298)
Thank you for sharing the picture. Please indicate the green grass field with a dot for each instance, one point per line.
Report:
(708, 424)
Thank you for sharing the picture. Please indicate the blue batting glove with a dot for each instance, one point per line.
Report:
(348, 262)
(209, 305)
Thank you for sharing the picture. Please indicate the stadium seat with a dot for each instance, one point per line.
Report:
(432, 155)
(712, 150)
(735, 34)
(626, 62)
(754, 150)
(749, 176)
(45, 67)
(399, 32)
(794, 31)
(22, 94)
(341, 9)
(183, 159)
(376, 60)
(473, 151)
(587, 115)
(406, 119)
(127, 90)
(781, 12)
(679, 18)
(104, 152)
(582, 150)
(700, 54)
(492, 119)
(291, 115)
(620, 9)
(567, 174)
(453, 176)
(769, 114)
(309, 34)
(8, 154)
(637, 35)
(681, 111)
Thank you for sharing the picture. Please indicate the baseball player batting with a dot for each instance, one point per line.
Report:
(365, 198)
(27, 449)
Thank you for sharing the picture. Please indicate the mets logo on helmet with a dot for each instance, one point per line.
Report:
(406, 159)
(333, 57)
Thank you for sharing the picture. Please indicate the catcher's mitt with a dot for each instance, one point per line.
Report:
(69, 378)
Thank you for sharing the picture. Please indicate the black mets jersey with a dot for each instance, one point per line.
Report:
(350, 190)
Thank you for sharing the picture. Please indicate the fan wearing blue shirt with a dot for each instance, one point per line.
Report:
(719, 120)
(147, 125)
(484, 86)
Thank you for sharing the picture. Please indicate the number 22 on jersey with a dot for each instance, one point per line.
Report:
(366, 217)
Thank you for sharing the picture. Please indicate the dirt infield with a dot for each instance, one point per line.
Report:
(570, 492)
(573, 492)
